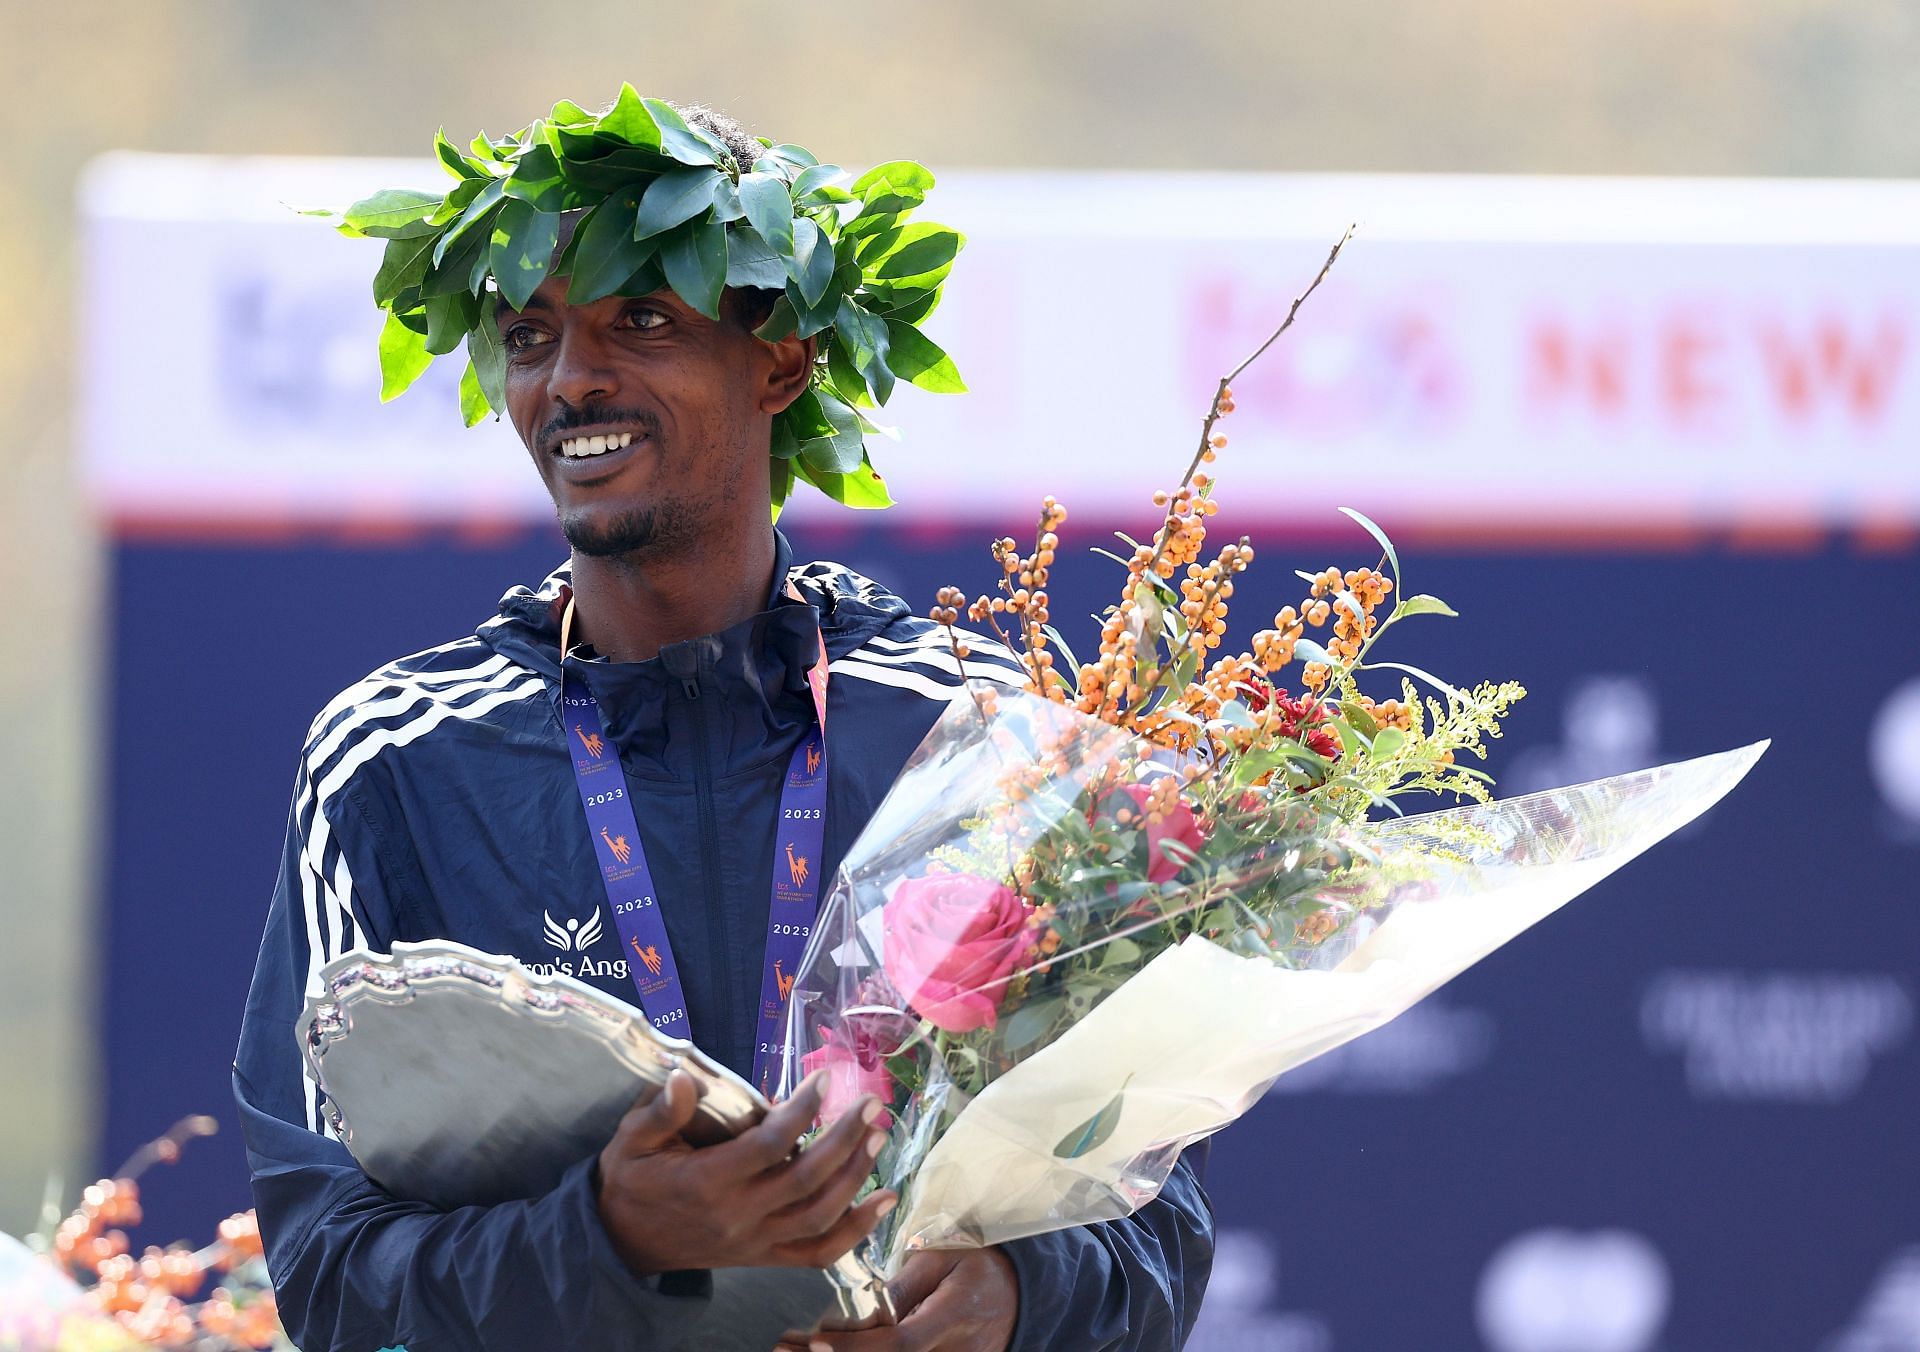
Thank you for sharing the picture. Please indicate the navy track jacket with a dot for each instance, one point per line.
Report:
(435, 799)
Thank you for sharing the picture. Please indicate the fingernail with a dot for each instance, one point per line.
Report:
(876, 1143)
(887, 1206)
(871, 1111)
(817, 1346)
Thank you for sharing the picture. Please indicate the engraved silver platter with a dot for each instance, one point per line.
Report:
(460, 1078)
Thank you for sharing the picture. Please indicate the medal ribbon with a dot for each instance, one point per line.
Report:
(615, 833)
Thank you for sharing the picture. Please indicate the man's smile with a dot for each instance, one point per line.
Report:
(589, 456)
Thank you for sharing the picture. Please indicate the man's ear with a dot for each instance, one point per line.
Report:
(789, 372)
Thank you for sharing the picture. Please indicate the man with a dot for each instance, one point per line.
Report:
(437, 798)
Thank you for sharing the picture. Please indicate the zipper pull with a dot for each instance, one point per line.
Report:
(681, 661)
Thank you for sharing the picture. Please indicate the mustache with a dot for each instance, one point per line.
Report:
(598, 415)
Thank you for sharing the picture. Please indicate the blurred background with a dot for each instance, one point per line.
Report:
(1654, 431)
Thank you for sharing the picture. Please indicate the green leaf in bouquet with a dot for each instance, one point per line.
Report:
(1388, 742)
(1093, 1133)
(1308, 651)
(403, 357)
(1386, 545)
(1119, 953)
(1236, 714)
(1423, 604)
(1031, 1022)
(1356, 714)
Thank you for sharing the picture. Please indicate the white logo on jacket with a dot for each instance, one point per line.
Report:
(576, 937)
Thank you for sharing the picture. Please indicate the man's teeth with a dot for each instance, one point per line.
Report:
(579, 446)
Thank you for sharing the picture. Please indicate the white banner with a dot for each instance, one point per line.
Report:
(1548, 354)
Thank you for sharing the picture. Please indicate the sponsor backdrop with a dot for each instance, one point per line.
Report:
(1656, 442)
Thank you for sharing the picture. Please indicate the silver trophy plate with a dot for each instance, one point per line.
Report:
(460, 1078)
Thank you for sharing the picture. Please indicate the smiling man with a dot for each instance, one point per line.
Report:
(674, 372)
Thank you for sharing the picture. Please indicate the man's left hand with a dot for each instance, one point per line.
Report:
(948, 1300)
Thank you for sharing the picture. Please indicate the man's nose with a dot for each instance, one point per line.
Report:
(581, 372)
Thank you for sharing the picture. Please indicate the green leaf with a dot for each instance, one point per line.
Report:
(483, 202)
(403, 356)
(524, 238)
(487, 359)
(810, 180)
(536, 179)
(1386, 545)
(473, 400)
(393, 213)
(866, 339)
(811, 269)
(460, 166)
(923, 250)
(1121, 952)
(898, 185)
(780, 324)
(678, 139)
(676, 196)
(797, 157)
(1423, 605)
(1029, 1023)
(631, 120)
(782, 482)
(567, 113)
(1308, 651)
(843, 448)
(919, 360)
(605, 252)
(695, 260)
(1092, 1133)
(1389, 741)
(448, 319)
(1357, 715)
(764, 199)
(751, 261)
(404, 264)
(863, 489)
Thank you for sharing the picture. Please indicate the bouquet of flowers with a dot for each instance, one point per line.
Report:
(1095, 918)
(78, 1287)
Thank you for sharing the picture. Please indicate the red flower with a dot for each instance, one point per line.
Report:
(854, 1064)
(1179, 825)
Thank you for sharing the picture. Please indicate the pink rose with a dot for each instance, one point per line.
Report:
(854, 1066)
(951, 939)
(1178, 825)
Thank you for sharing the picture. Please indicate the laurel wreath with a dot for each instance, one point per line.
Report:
(665, 204)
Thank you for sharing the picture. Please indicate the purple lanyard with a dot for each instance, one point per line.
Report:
(630, 896)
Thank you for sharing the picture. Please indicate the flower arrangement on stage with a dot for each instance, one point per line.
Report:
(82, 1288)
(1096, 917)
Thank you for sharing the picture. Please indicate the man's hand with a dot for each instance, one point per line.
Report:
(949, 1300)
(753, 1201)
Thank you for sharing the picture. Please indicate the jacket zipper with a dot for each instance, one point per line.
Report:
(719, 965)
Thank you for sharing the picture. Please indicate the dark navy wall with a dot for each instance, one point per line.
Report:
(1689, 1097)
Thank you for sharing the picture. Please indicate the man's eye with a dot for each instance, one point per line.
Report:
(646, 317)
(520, 337)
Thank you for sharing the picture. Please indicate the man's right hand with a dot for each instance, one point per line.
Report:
(754, 1201)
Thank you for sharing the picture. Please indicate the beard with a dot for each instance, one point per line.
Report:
(636, 533)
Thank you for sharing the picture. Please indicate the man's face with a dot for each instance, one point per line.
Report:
(678, 405)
